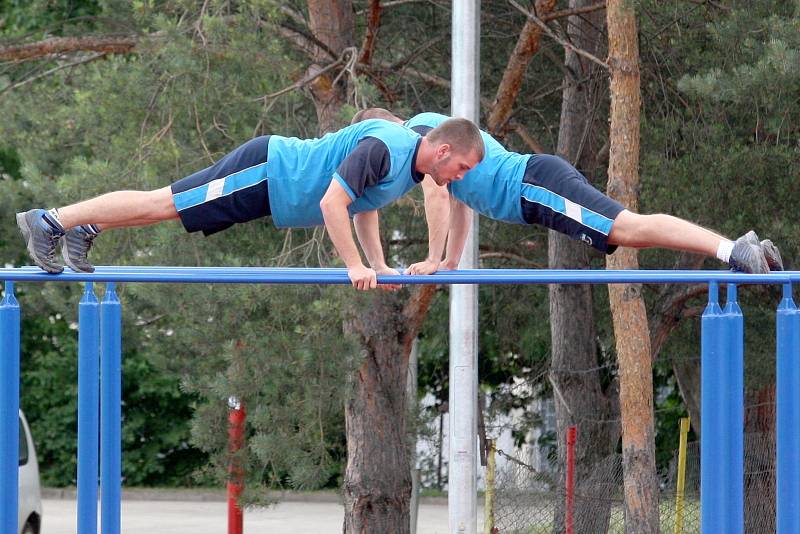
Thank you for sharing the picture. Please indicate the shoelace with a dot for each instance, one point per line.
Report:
(88, 239)
(51, 252)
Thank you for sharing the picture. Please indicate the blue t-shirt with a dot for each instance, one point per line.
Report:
(493, 187)
(373, 160)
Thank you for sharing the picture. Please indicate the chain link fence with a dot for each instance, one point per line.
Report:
(527, 501)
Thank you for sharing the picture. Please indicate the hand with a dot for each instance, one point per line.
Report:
(363, 278)
(448, 265)
(385, 269)
(423, 267)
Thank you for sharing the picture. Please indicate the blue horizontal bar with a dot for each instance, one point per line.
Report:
(272, 275)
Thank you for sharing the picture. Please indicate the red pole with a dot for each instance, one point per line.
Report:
(572, 437)
(236, 418)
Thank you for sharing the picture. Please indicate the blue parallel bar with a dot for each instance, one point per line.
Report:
(266, 275)
(714, 449)
(110, 411)
(88, 409)
(9, 410)
(735, 428)
(788, 415)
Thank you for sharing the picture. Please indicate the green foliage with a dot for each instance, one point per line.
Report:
(22, 17)
(156, 413)
(719, 146)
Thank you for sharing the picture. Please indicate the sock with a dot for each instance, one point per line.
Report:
(91, 229)
(724, 250)
(51, 218)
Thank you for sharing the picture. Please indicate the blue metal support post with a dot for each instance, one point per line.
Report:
(714, 449)
(734, 359)
(88, 409)
(788, 415)
(110, 411)
(9, 409)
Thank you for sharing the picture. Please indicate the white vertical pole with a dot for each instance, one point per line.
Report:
(462, 483)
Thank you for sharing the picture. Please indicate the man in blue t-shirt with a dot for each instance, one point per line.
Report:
(546, 190)
(299, 182)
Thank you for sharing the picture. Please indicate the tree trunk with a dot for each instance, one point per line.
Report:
(377, 484)
(527, 45)
(581, 399)
(627, 305)
(332, 23)
(377, 487)
(687, 375)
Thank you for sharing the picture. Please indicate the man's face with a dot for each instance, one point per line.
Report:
(451, 166)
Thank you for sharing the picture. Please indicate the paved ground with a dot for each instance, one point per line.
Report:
(197, 517)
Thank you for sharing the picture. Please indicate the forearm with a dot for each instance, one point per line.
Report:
(368, 232)
(460, 222)
(337, 222)
(437, 215)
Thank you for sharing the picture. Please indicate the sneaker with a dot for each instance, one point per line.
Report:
(41, 238)
(771, 252)
(77, 242)
(773, 255)
(748, 256)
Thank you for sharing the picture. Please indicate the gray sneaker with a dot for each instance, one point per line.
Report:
(771, 252)
(773, 255)
(748, 256)
(75, 249)
(41, 238)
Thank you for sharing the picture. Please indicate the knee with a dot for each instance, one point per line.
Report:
(630, 229)
(161, 203)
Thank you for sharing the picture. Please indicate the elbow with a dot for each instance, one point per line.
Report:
(326, 206)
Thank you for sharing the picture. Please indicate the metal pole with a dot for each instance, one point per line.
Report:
(88, 409)
(110, 411)
(735, 395)
(9, 410)
(788, 415)
(679, 494)
(266, 275)
(491, 470)
(236, 417)
(572, 438)
(462, 470)
(713, 447)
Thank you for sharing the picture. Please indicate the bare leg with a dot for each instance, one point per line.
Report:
(663, 231)
(121, 209)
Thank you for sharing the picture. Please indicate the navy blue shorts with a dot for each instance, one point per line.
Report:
(556, 195)
(233, 190)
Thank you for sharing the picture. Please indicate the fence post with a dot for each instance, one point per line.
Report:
(236, 417)
(788, 415)
(9, 409)
(572, 438)
(679, 493)
(734, 321)
(110, 411)
(488, 505)
(88, 409)
(714, 451)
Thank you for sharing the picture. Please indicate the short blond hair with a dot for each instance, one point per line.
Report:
(375, 113)
(461, 134)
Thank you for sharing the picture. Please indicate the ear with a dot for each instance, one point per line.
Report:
(443, 150)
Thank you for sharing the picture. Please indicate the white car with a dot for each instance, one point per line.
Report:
(30, 495)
